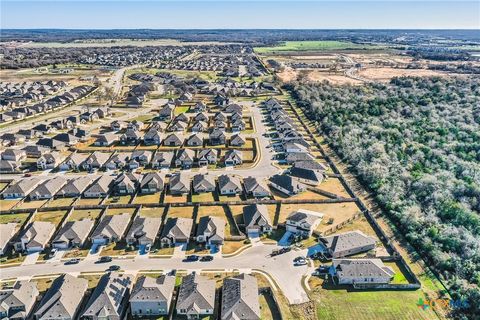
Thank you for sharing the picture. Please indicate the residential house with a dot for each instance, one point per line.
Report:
(50, 160)
(255, 188)
(135, 125)
(162, 160)
(166, 112)
(203, 183)
(233, 157)
(75, 187)
(348, 243)
(139, 158)
(184, 158)
(126, 183)
(307, 176)
(199, 107)
(240, 298)
(21, 188)
(196, 297)
(211, 230)
(151, 182)
(110, 229)
(303, 222)
(131, 137)
(216, 137)
(153, 137)
(48, 189)
(73, 234)
(7, 231)
(74, 161)
(256, 220)
(206, 157)
(361, 271)
(201, 117)
(100, 188)
(199, 126)
(237, 125)
(16, 303)
(295, 157)
(8, 166)
(66, 138)
(16, 155)
(63, 299)
(152, 296)
(118, 161)
(176, 231)
(237, 141)
(194, 141)
(229, 185)
(96, 161)
(106, 139)
(173, 140)
(179, 184)
(118, 125)
(51, 144)
(287, 184)
(143, 231)
(109, 300)
(35, 151)
(35, 237)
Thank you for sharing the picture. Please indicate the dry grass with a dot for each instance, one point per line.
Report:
(151, 212)
(54, 217)
(385, 74)
(147, 198)
(180, 212)
(232, 246)
(84, 214)
(32, 204)
(118, 199)
(115, 211)
(334, 185)
(89, 201)
(203, 197)
(217, 211)
(175, 198)
(7, 204)
(61, 202)
(17, 218)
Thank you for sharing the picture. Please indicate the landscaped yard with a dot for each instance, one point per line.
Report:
(54, 217)
(116, 249)
(180, 212)
(86, 213)
(147, 198)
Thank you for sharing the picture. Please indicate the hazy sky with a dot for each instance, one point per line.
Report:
(162, 14)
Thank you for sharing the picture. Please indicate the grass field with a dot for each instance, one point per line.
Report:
(148, 198)
(151, 212)
(83, 214)
(180, 212)
(88, 201)
(35, 204)
(115, 211)
(61, 202)
(50, 216)
(17, 218)
(313, 46)
(7, 204)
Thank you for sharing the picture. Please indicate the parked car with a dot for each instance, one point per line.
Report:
(72, 261)
(299, 261)
(105, 259)
(206, 258)
(192, 258)
(52, 253)
(113, 268)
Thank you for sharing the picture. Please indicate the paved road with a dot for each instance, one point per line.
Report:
(280, 268)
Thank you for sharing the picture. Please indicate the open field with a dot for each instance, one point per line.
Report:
(313, 46)
(114, 43)
(385, 74)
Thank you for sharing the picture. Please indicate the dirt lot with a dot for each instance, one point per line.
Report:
(387, 73)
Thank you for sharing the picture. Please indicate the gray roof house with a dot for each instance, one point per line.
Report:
(109, 300)
(233, 157)
(21, 188)
(111, 228)
(17, 303)
(240, 298)
(307, 176)
(48, 189)
(143, 231)
(152, 182)
(287, 184)
(96, 160)
(162, 160)
(184, 158)
(73, 234)
(63, 299)
(75, 187)
(303, 222)
(255, 188)
(206, 157)
(237, 141)
(179, 184)
(152, 296)
(229, 185)
(127, 183)
(348, 243)
(196, 296)
(173, 140)
(176, 230)
(35, 237)
(7, 231)
(203, 183)
(256, 219)
(99, 188)
(211, 230)
(362, 271)
(194, 141)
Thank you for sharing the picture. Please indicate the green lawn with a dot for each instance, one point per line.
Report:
(179, 110)
(17, 218)
(313, 46)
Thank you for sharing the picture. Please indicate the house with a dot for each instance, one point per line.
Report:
(73, 234)
(216, 137)
(48, 189)
(194, 141)
(35, 151)
(232, 108)
(287, 184)
(307, 176)
(203, 183)
(135, 101)
(126, 183)
(233, 157)
(139, 158)
(16, 155)
(184, 158)
(211, 230)
(118, 161)
(361, 271)
(151, 182)
(35, 237)
(17, 303)
(63, 299)
(100, 188)
(106, 139)
(50, 160)
(131, 137)
(196, 297)
(303, 222)
(8, 166)
(21, 188)
(75, 187)
(201, 117)
(348, 243)
(229, 185)
(162, 160)
(237, 125)
(255, 188)
(118, 125)
(110, 229)
(199, 107)
(143, 231)
(181, 117)
(178, 126)
(237, 141)
(179, 184)
(152, 296)
(109, 300)
(7, 231)
(310, 165)
(166, 112)
(96, 161)
(176, 231)
(240, 298)
(66, 138)
(199, 126)
(221, 100)
(74, 161)
(173, 140)
(256, 220)
(51, 144)
(135, 125)
(206, 157)
(294, 147)
(153, 137)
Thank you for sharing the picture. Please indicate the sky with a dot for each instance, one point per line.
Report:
(235, 14)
